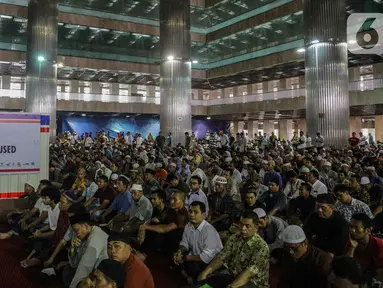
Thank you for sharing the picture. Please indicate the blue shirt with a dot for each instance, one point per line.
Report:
(122, 202)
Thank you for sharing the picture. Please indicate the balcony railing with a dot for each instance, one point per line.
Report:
(283, 94)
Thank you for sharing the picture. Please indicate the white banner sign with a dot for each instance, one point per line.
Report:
(19, 143)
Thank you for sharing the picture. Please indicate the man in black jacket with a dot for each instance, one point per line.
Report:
(326, 228)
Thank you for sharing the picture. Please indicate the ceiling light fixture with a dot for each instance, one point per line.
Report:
(170, 58)
(301, 50)
(352, 42)
(195, 61)
(60, 65)
(315, 42)
(83, 115)
(208, 118)
(41, 58)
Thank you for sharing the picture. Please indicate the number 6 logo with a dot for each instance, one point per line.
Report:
(365, 33)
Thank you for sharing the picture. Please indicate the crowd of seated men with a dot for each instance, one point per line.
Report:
(220, 215)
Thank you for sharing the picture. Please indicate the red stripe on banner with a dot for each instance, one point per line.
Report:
(7, 195)
(44, 129)
(19, 170)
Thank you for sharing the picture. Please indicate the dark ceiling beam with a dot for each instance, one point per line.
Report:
(91, 21)
(281, 11)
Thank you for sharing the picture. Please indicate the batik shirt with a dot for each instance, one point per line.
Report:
(240, 254)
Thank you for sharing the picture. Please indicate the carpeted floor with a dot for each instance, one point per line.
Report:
(12, 275)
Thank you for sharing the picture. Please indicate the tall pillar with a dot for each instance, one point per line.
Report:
(175, 75)
(132, 90)
(114, 89)
(151, 91)
(6, 82)
(250, 129)
(356, 124)
(327, 103)
(95, 88)
(286, 129)
(41, 79)
(268, 127)
(378, 128)
(73, 86)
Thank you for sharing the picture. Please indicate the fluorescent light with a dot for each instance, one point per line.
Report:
(41, 58)
(127, 116)
(314, 41)
(6, 16)
(208, 118)
(170, 58)
(301, 50)
(352, 42)
(83, 115)
(60, 65)
(195, 61)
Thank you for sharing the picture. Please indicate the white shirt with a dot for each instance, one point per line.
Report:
(318, 188)
(292, 189)
(203, 241)
(53, 216)
(88, 142)
(237, 176)
(41, 207)
(319, 141)
(128, 139)
(302, 142)
(139, 141)
(197, 196)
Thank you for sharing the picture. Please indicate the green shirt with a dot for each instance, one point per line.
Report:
(253, 254)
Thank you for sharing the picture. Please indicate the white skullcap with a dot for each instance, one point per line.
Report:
(135, 165)
(260, 212)
(370, 168)
(304, 169)
(113, 177)
(293, 234)
(364, 181)
(228, 159)
(29, 183)
(173, 164)
(246, 162)
(128, 156)
(158, 165)
(221, 180)
(345, 165)
(265, 162)
(137, 187)
(326, 163)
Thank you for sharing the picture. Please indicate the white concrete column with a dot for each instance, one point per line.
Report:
(286, 129)
(132, 90)
(250, 128)
(378, 128)
(200, 94)
(302, 81)
(302, 126)
(354, 74)
(80, 90)
(356, 124)
(268, 127)
(114, 89)
(235, 91)
(378, 70)
(151, 91)
(282, 84)
(241, 125)
(250, 89)
(6, 82)
(73, 86)
(235, 128)
(95, 88)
